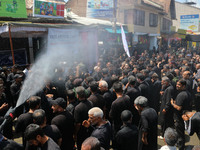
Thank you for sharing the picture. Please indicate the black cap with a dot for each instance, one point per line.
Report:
(18, 76)
(60, 102)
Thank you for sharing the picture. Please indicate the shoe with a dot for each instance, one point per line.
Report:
(160, 137)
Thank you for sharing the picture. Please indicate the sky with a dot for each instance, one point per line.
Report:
(196, 1)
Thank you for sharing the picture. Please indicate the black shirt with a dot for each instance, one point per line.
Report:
(97, 100)
(103, 133)
(81, 111)
(127, 137)
(183, 100)
(148, 123)
(53, 132)
(22, 122)
(65, 123)
(119, 105)
(50, 145)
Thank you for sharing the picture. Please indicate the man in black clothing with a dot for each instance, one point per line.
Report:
(106, 77)
(99, 128)
(71, 101)
(15, 88)
(192, 122)
(35, 137)
(120, 104)
(155, 92)
(181, 103)
(10, 77)
(96, 99)
(64, 121)
(25, 119)
(147, 139)
(81, 114)
(133, 92)
(127, 136)
(4, 106)
(144, 87)
(166, 110)
(108, 97)
(51, 131)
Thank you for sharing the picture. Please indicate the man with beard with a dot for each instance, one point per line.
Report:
(181, 103)
(147, 139)
(81, 114)
(36, 137)
(65, 123)
(100, 128)
(96, 99)
(166, 109)
(107, 95)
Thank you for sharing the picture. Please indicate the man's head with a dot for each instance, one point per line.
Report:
(39, 117)
(34, 134)
(18, 77)
(131, 80)
(95, 115)
(165, 81)
(58, 105)
(34, 102)
(170, 137)
(70, 95)
(181, 85)
(91, 143)
(15, 68)
(80, 91)
(117, 87)
(140, 77)
(93, 86)
(140, 102)
(126, 116)
(103, 86)
(186, 75)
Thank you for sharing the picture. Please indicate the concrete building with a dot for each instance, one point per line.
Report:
(146, 19)
(184, 9)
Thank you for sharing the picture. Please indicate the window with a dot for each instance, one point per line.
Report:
(166, 25)
(153, 20)
(139, 17)
(127, 14)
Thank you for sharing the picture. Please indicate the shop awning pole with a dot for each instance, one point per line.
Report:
(11, 45)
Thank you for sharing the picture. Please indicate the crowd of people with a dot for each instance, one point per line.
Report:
(118, 104)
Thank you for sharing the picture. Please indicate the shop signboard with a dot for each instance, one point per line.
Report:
(48, 9)
(190, 22)
(100, 8)
(13, 8)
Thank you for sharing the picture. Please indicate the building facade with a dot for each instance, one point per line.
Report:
(146, 19)
(183, 10)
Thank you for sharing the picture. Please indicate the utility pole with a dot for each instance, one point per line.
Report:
(114, 15)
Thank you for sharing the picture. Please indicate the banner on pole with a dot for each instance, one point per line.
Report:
(124, 42)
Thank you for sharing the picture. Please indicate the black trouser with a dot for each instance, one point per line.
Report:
(7, 130)
(180, 129)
